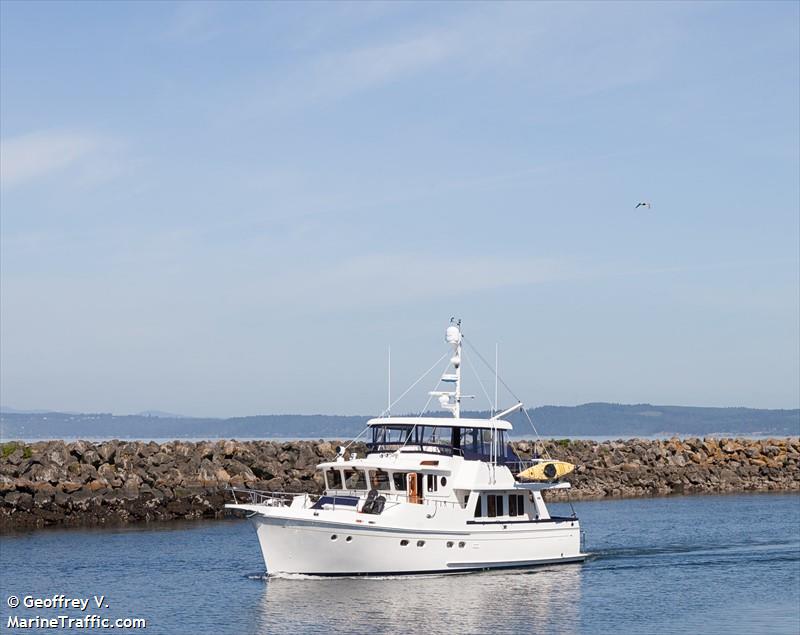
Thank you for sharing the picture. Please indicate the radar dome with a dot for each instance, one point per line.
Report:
(453, 335)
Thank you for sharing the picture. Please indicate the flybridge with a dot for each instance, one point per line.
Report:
(441, 422)
(476, 439)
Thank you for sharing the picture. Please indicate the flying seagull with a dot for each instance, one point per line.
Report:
(647, 205)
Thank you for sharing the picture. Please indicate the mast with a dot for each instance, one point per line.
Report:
(451, 399)
(455, 339)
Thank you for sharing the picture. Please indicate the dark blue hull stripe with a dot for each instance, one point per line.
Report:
(454, 569)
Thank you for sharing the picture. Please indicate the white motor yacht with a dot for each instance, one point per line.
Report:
(432, 495)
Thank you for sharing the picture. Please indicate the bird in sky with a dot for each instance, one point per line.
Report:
(647, 205)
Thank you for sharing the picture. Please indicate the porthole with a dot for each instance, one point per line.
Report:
(404, 543)
(349, 539)
(334, 536)
(420, 543)
(462, 544)
(444, 481)
(449, 544)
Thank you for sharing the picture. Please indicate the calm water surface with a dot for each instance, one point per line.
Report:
(701, 564)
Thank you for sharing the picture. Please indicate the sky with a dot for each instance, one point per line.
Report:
(223, 209)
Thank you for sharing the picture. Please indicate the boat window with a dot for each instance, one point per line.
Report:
(355, 479)
(516, 505)
(494, 505)
(443, 480)
(433, 484)
(333, 478)
(478, 511)
(390, 435)
(399, 481)
(476, 443)
(435, 435)
(379, 480)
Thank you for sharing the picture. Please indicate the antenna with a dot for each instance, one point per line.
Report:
(389, 390)
(496, 372)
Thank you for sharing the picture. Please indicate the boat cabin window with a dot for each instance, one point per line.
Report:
(434, 435)
(471, 443)
(478, 512)
(494, 505)
(378, 479)
(333, 479)
(386, 437)
(476, 443)
(399, 479)
(516, 505)
(433, 484)
(355, 479)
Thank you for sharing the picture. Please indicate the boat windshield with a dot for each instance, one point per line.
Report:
(390, 435)
(355, 479)
(471, 443)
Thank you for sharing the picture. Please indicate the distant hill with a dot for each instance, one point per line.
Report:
(594, 419)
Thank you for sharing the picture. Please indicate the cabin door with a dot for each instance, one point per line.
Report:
(414, 488)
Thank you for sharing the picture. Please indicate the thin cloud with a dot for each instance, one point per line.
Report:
(30, 157)
(522, 41)
(334, 76)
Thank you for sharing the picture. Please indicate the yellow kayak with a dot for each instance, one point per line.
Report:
(547, 471)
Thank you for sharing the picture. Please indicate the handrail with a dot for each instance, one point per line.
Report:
(422, 448)
(283, 499)
(262, 497)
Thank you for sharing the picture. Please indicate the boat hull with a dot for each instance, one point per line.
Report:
(293, 546)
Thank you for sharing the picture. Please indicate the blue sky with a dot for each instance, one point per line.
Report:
(226, 209)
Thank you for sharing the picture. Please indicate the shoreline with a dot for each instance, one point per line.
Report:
(114, 483)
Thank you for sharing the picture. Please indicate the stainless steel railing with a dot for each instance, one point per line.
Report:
(242, 495)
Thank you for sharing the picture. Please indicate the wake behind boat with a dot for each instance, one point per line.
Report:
(432, 495)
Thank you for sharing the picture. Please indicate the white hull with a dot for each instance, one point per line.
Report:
(291, 545)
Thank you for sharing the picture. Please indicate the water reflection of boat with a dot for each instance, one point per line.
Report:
(546, 599)
(433, 494)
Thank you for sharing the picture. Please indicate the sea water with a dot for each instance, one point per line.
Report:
(687, 564)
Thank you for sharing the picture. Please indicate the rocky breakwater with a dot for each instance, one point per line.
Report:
(81, 483)
(637, 467)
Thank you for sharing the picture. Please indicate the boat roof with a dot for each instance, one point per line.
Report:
(442, 422)
(408, 462)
